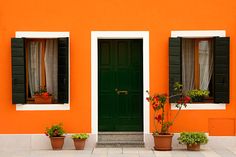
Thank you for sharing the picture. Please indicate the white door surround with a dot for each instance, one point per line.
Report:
(95, 35)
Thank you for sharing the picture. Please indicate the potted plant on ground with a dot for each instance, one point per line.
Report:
(162, 137)
(42, 96)
(198, 95)
(56, 135)
(79, 140)
(193, 140)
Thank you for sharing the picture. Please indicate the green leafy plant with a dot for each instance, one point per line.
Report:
(159, 101)
(80, 136)
(197, 95)
(190, 138)
(55, 130)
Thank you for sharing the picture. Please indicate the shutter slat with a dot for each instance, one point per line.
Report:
(63, 50)
(175, 67)
(18, 71)
(221, 70)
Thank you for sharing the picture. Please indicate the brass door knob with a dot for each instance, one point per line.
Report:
(123, 92)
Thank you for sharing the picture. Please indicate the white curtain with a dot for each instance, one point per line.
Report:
(188, 64)
(34, 59)
(51, 66)
(206, 64)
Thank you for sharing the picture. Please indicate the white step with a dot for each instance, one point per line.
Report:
(111, 144)
(120, 136)
(120, 139)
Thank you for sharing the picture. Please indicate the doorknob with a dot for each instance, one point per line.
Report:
(119, 92)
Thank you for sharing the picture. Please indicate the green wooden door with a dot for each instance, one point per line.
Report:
(120, 88)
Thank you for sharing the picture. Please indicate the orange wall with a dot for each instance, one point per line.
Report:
(82, 17)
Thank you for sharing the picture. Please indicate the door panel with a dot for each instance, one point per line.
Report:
(120, 86)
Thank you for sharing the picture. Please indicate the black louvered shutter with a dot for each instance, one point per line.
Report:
(175, 67)
(221, 69)
(63, 48)
(18, 71)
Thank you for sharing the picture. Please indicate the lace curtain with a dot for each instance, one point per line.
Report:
(188, 46)
(34, 68)
(205, 62)
(51, 66)
(35, 61)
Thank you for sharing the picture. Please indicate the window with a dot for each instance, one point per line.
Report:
(39, 63)
(197, 64)
(201, 64)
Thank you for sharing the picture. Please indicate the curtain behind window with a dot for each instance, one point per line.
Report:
(34, 60)
(188, 64)
(51, 66)
(206, 64)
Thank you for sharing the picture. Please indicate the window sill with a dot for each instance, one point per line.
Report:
(201, 106)
(41, 107)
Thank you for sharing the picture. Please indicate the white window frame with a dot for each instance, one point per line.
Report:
(95, 35)
(45, 35)
(200, 34)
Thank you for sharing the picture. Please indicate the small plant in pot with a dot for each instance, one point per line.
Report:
(56, 135)
(79, 140)
(193, 140)
(162, 137)
(198, 95)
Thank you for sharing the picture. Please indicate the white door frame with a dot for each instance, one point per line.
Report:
(95, 35)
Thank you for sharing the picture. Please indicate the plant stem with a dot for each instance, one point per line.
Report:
(176, 114)
(155, 123)
(162, 117)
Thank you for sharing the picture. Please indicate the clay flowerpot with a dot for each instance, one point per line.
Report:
(163, 142)
(193, 147)
(40, 99)
(79, 144)
(57, 142)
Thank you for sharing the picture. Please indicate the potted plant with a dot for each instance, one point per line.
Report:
(43, 97)
(56, 135)
(162, 137)
(198, 95)
(79, 140)
(193, 140)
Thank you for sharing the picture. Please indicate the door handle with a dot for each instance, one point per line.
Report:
(119, 92)
(125, 92)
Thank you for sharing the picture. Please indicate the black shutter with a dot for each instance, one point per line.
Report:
(18, 71)
(175, 67)
(63, 48)
(221, 70)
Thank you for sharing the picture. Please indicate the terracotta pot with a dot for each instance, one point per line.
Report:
(193, 147)
(79, 144)
(39, 99)
(57, 142)
(163, 142)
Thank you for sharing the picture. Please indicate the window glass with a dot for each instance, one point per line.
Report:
(41, 69)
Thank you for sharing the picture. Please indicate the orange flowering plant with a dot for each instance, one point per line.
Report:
(159, 101)
(42, 92)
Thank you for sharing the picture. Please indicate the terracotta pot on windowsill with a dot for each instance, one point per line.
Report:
(40, 99)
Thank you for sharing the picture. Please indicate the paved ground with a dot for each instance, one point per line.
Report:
(123, 152)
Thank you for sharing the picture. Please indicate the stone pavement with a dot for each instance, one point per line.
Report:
(218, 146)
(123, 152)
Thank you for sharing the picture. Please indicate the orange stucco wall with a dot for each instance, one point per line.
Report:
(82, 17)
